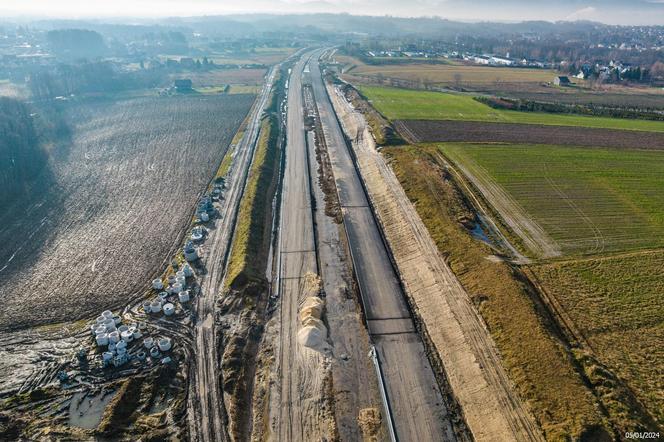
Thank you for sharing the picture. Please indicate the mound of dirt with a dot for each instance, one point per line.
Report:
(313, 337)
(313, 322)
(312, 283)
(370, 423)
(312, 307)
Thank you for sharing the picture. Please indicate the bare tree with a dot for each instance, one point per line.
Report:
(497, 83)
(657, 70)
(457, 80)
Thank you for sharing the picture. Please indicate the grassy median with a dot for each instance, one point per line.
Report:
(251, 243)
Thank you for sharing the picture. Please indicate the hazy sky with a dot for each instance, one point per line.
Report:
(608, 11)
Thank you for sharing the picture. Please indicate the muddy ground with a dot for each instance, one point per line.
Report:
(122, 191)
(418, 131)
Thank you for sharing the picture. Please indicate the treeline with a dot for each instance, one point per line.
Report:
(93, 77)
(578, 109)
(22, 157)
(76, 43)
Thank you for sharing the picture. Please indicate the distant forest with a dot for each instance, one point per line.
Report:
(22, 157)
(76, 43)
(89, 77)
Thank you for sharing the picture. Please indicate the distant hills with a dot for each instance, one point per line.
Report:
(324, 23)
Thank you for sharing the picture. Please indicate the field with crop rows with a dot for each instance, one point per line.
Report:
(259, 55)
(616, 302)
(122, 190)
(403, 104)
(530, 84)
(419, 131)
(582, 200)
(449, 74)
(542, 371)
(219, 77)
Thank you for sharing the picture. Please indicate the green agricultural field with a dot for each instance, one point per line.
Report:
(542, 371)
(403, 104)
(570, 200)
(244, 89)
(616, 304)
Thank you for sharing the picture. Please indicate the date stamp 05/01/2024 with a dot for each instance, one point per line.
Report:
(642, 435)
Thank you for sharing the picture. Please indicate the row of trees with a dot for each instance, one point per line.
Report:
(95, 77)
(562, 108)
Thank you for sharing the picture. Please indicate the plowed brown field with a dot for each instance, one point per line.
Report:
(121, 193)
(472, 131)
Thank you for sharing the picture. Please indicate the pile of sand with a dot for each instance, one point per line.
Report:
(313, 333)
(312, 282)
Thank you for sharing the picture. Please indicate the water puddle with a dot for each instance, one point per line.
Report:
(479, 230)
(159, 405)
(86, 411)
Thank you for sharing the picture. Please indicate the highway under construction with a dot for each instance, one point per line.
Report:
(410, 400)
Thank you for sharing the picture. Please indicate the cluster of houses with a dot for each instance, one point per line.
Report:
(497, 60)
(615, 70)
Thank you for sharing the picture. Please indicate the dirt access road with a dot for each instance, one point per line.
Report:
(490, 406)
(206, 411)
(415, 400)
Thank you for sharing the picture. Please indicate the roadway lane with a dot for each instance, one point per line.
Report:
(416, 403)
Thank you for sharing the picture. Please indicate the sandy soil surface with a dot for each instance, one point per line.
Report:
(299, 407)
(354, 381)
(472, 131)
(123, 191)
(491, 408)
(314, 393)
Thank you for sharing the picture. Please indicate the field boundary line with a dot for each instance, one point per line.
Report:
(526, 228)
